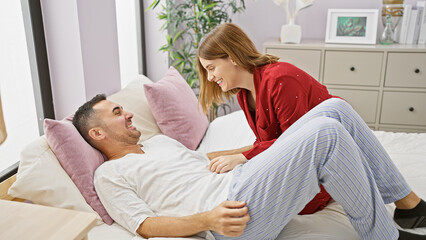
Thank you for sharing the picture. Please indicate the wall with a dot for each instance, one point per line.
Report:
(71, 69)
(313, 19)
(262, 21)
(85, 52)
(64, 53)
(82, 50)
(157, 62)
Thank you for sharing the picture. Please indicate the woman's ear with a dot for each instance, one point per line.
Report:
(232, 61)
(96, 134)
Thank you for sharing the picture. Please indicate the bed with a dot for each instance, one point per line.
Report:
(42, 177)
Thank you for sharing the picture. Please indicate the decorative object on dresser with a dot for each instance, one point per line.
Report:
(291, 32)
(394, 8)
(357, 26)
(387, 37)
(386, 84)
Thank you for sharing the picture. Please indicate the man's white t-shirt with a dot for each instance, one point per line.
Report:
(168, 180)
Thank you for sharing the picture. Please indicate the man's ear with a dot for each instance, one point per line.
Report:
(97, 133)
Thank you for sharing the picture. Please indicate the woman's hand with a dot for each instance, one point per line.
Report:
(226, 163)
(214, 155)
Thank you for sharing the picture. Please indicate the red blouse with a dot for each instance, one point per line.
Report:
(284, 93)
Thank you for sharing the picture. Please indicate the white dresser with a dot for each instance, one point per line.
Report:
(386, 85)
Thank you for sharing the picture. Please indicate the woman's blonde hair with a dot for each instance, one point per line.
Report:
(226, 40)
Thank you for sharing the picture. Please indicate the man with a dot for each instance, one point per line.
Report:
(163, 189)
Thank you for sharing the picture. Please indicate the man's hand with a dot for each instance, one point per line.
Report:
(226, 163)
(229, 218)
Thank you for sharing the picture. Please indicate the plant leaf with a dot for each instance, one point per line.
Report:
(153, 5)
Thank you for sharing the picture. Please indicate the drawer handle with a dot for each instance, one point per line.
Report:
(417, 70)
(411, 109)
(353, 69)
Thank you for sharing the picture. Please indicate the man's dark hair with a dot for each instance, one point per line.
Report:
(83, 117)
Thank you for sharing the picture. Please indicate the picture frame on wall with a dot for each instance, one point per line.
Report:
(352, 26)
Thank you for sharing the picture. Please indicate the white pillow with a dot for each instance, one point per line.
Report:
(42, 180)
(227, 132)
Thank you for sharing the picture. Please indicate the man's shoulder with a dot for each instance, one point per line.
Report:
(104, 167)
(161, 140)
(115, 165)
(157, 138)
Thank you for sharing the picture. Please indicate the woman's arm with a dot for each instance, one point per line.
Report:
(225, 161)
(229, 219)
(214, 155)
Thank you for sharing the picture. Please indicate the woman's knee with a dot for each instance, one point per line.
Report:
(335, 108)
(322, 125)
(336, 103)
(324, 122)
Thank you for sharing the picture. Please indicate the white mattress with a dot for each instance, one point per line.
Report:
(408, 151)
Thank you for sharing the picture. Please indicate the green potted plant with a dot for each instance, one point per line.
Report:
(186, 23)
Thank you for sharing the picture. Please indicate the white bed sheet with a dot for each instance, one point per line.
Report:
(408, 151)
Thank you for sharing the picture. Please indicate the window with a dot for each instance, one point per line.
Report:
(24, 79)
(16, 85)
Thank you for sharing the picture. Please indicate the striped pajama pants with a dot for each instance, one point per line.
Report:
(330, 145)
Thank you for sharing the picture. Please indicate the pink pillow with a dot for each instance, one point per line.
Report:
(78, 159)
(176, 109)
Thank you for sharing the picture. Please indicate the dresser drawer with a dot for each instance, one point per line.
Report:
(363, 101)
(406, 70)
(404, 108)
(307, 60)
(353, 68)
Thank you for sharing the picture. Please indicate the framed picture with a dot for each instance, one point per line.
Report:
(355, 26)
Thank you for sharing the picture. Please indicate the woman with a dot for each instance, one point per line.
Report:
(273, 95)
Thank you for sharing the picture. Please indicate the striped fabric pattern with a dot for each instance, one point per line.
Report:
(330, 145)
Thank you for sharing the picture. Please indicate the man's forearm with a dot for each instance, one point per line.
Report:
(173, 226)
(229, 218)
(213, 155)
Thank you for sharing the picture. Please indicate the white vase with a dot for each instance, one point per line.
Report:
(291, 33)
